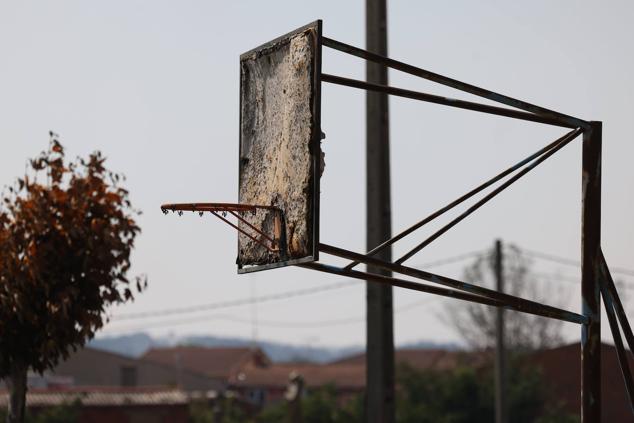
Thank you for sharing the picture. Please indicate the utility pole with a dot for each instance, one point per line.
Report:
(501, 412)
(293, 395)
(379, 326)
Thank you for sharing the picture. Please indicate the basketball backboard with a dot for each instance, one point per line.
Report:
(279, 152)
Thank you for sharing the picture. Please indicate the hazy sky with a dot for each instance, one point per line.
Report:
(154, 85)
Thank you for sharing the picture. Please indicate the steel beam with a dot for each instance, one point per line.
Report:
(567, 138)
(401, 283)
(446, 101)
(590, 266)
(618, 305)
(462, 86)
(608, 301)
(460, 199)
(500, 299)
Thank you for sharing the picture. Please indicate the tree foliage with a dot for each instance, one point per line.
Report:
(318, 405)
(67, 229)
(476, 323)
(224, 410)
(63, 413)
(466, 395)
(459, 395)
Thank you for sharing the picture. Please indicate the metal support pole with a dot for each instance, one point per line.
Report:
(618, 305)
(379, 330)
(447, 101)
(590, 262)
(476, 293)
(500, 359)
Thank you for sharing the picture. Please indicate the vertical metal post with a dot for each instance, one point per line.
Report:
(380, 334)
(590, 289)
(500, 359)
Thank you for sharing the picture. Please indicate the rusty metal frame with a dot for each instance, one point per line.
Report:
(596, 281)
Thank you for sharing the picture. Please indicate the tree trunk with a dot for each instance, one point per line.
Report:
(16, 382)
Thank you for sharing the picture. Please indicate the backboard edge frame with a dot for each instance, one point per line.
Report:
(315, 144)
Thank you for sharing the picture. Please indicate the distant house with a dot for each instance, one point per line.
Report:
(219, 363)
(559, 368)
(251, 375)
(271, 382)
(346, 375)
(223, 364)
(92, 367)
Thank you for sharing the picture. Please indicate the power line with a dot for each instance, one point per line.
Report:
(344, 284)
(273, 297)
(454, 259)
(235, 303)
(270, 323)
(569, 262)
(556, 277)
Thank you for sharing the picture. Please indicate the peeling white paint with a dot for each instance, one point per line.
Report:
(276, 132)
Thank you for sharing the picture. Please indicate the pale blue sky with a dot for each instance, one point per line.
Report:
(154, 85)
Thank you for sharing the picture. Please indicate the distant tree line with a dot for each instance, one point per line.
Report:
(461, 395)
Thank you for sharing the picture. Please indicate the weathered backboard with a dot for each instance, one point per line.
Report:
(280, 155)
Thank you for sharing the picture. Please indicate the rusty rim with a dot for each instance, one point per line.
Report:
(220, 210)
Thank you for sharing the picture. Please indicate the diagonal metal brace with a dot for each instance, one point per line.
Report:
(462, 198)
(459, 85)
(610, 299)
(609, 285)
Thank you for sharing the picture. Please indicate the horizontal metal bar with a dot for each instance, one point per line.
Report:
(457, 202)
(451, 102)
(618, 305)
(509, 301)
(608, 301)
(401, 283)
(221, 207)
(564, 141)
(242, 269)
(570, 121)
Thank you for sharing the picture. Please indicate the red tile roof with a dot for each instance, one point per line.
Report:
(349, 373)
(214, 362)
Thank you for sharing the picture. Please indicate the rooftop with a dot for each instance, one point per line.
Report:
(222, 363)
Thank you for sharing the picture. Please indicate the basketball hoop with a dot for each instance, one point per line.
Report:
(220, 210)
(280, 164)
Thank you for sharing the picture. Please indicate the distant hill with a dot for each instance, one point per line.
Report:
(134, 345)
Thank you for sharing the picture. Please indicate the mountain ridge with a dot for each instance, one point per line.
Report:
(136, 344)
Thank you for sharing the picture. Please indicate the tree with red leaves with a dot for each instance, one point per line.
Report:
(66, 233)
